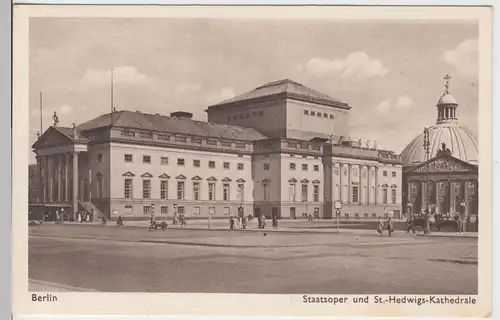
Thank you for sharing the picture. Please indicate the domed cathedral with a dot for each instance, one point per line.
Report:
(440, 165)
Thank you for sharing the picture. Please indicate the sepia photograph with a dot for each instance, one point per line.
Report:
(308, 156)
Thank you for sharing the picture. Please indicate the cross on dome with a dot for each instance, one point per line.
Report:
(447, 78)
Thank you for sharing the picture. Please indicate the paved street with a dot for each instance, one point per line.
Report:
(100, 258)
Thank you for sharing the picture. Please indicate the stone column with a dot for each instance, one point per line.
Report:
(349, 192)
(75, 184)
(408, 198)
(46, 178)
(424, 195)
(451, 193)
(438, 203)
(66, 177)
(50, 178)
(40, 178)
(360, 192)
(368, 184)
(376, 185)
(466, 197)
(59, 178)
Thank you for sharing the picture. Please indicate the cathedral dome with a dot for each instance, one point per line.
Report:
(462, 144)
(458, 139)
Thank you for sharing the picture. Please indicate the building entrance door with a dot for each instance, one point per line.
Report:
(275, 213)
(293, 214)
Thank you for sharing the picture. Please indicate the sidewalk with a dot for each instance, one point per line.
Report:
(39, 285)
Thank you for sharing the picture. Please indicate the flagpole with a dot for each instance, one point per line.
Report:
(112, 93)
(41, 115)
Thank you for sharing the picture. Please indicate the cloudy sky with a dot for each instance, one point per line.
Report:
(389, 72)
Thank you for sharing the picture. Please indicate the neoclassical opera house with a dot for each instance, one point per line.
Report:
(451, 169)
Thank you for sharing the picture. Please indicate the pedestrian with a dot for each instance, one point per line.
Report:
(231, 223)
(58, 218)
(438, 218)
(275, 222)
(390, 227)
(244, 223)
(183, 221)
(209, 221)
(380, 226)
(262, 221)
(237, 223)
(458, 223)
(310, 218)
(410, 224)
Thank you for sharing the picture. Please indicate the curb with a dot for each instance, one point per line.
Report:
(200, 244)
(446, 236)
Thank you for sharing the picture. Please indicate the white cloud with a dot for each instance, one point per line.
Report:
(189, 87)
(404, 102)
(357, 64)
(464, 58)
(224, 94)
(384, 106)
(122, 74)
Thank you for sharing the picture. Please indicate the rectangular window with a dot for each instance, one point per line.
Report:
(266, 192)
(227, 211)
(180, 162)
(128, 158)
(240, 145)
(304, 167)
(180, 190)
(164, 189)
(384, 173)
(212, 142)
(181, 211)
(164, 210)
(355, 194)
(291, 191)
(316, 167)
(292, 145)
(384, 194)
(146, 189)
(147, 135)
(304, 192)
(127, 133)
(196, 211)
(226, 192)
(240, 166)
(180, 139)
(129, 209)
(315, 193)
(196, 163)
(331, 116)
(267, 166)
(394, 174)
(146, 210)
(226, 144)
(226, 165)
(241, 192)
(163, 137)
(196, 191)
(292, 166)
(325, 115)
(211, 191)
(211, 164)
(196, 140)
(393, 196)
(304, 146)
(164, 160)
(146, 159)
(128, 188)
(313, 113)
(306, 112)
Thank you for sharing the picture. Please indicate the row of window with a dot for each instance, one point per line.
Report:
(166, 137)
(182, 162)
(293, 166)
(181, 190)
(318, 114)
(234, 117)
(304, 192)
(181, 210)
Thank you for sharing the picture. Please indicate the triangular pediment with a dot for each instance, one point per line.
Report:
(266, 180)
(181, 177)
(444, 163)
(292, 180)
(316, 181)
(164, 176)
(304, 181)
(128, 174)
(226, 179)
(146, 175)
(52, 137)
(196, 178)
(240, 180)
(212, 179)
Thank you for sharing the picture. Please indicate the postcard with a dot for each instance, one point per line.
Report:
(252, 160)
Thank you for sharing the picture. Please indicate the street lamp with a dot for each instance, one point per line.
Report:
(426, 146)
(409, 206)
